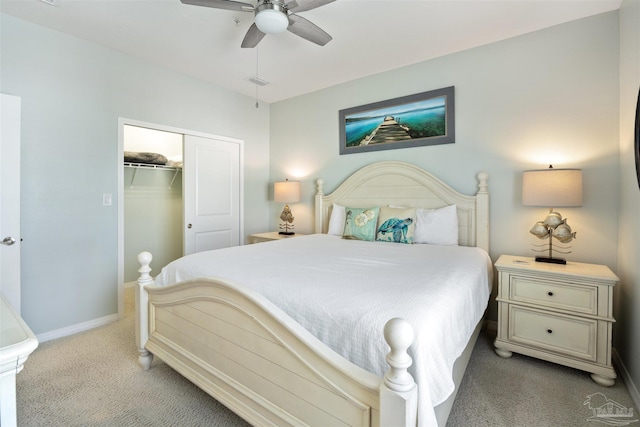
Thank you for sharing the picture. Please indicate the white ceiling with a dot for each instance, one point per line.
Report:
(369, 36)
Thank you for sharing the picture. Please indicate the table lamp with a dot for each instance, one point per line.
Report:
(552, 188)
(286, 192)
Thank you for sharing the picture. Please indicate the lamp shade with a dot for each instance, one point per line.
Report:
(552, 187)
(286, 192)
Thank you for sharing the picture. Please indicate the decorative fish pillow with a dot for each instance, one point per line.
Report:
(396, 225)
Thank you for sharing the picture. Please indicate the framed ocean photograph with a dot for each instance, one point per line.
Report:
(425, 118)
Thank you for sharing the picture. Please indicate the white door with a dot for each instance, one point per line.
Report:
(212, 185)
(10, 199)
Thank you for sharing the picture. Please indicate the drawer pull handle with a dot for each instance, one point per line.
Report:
(549, 331)
(550, 293)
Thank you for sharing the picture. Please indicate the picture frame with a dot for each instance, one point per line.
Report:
(417, 120)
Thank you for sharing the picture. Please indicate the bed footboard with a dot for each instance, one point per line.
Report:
(252, 357)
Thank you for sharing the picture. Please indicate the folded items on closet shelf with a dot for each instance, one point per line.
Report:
(143, 157)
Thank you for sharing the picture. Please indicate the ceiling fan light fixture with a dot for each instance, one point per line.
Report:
(270, 19)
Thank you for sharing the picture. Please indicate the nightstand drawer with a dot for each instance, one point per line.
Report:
(572, 336)
(565, 296)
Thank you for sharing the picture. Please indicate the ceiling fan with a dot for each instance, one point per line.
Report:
(273, 17)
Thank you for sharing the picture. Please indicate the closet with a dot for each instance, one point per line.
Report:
(153, 200)
(181, 192)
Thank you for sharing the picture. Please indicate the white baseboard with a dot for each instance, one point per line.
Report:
(74, 329)
(130, 284)
(624, 374)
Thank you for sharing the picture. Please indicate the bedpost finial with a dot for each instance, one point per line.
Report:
(144, 258)
(483, 177)
(399, 335)
(320, 184)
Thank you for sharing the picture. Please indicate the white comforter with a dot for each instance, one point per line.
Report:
(344, 291)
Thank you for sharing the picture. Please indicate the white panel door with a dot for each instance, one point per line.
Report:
(10, 199)
(212, 188)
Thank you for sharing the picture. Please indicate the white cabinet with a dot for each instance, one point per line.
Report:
(559, 313)
(17, 342)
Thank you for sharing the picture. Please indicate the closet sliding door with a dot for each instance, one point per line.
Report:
(212, 193)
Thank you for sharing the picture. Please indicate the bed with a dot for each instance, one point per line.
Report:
(255, 328)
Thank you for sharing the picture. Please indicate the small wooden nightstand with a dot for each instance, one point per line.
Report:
(272, 235)
(559, 313)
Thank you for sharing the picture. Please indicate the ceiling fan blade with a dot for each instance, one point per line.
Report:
(222, 4)
(296, 6)
(253, 36)
(308, 30)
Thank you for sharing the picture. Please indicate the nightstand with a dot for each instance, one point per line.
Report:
(272, 235)
(559, 313)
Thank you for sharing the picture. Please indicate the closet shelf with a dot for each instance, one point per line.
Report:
(137, 166)
(150, 166)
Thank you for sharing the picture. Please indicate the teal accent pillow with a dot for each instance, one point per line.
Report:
(360, 223)
(396, 225)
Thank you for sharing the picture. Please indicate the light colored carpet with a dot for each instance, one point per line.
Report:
(523, 391)
(92, 379)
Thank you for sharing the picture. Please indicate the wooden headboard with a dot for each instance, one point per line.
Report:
(403, 184)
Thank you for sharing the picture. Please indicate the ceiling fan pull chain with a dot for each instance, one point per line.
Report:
(257, 76)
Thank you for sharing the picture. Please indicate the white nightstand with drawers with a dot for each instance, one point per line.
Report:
(559, 313)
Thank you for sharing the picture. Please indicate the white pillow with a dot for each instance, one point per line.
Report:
(336, 221)
(437, 226)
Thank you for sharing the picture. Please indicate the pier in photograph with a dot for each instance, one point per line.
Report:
(388, 131)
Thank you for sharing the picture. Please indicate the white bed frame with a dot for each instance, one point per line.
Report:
(252, 357)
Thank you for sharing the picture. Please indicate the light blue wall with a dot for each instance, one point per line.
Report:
(73, 93)
(627, 307)
(546, 97)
